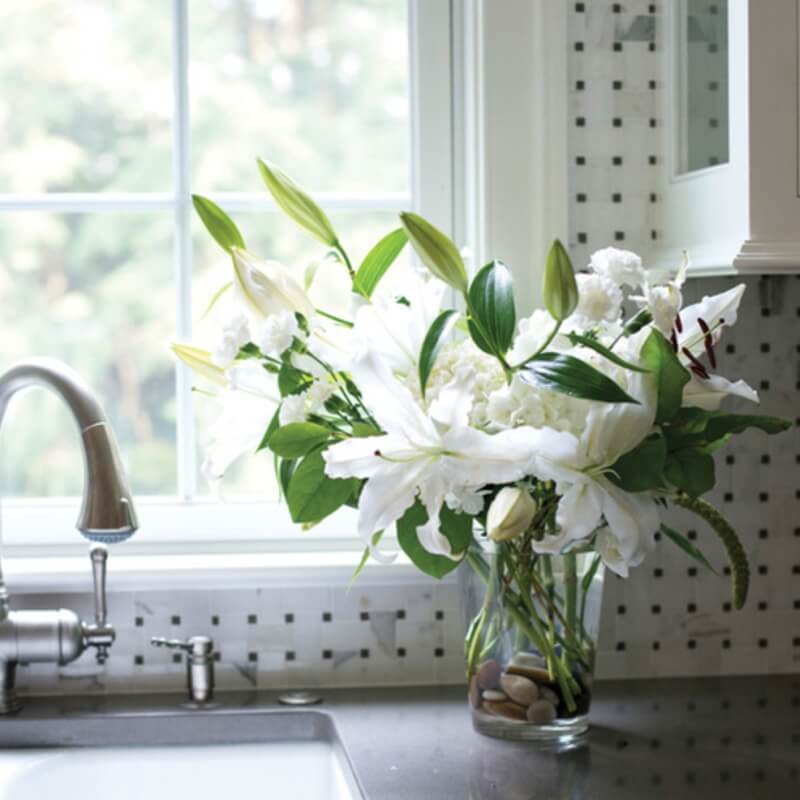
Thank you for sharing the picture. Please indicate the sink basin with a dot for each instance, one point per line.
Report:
(212, 756)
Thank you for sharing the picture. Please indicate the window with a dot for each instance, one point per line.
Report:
(115, 111)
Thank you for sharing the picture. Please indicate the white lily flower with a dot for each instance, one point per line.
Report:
(267, 287)
(716, 312)
(421, 455)
(578, 467)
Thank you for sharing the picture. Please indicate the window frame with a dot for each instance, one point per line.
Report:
(466, 163)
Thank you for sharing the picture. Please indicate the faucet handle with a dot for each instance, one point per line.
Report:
(199, 665)
(99, 634)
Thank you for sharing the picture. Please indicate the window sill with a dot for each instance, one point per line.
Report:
(201, 545)
(206, 571)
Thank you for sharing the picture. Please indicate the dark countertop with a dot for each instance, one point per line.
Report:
(691, 738)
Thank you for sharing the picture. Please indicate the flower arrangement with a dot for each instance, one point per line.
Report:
(562, 435)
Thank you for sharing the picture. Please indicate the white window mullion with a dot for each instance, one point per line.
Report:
(186, 454)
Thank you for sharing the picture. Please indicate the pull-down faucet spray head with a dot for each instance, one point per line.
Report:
(107, 514)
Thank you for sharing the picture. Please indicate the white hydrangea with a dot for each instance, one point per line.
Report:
(453, 360)
(599, 299)
(621, 267)
(278, 332)
(521, 403)
(234, 335)
(532, 332)
(293, 409)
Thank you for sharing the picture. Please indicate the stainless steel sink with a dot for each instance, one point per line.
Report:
(203, 755)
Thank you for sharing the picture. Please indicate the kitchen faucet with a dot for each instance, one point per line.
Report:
(106, 516)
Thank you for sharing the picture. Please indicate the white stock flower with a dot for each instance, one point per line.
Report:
(235, 333)
(278, 332)
(599, 299)
(423, 455)
(293, 409)
(621, 267)
(317, 394)
(664, 299)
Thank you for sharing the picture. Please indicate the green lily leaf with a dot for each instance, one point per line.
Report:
(659, 357)
(285, 468)
(491, 307)
(292, 380)
(274, 424)
(456, 527)
(298, 439)
(436, 251)
(687, 547)
(641, 469)
(709, 430)
(378, 261)
(610, 355)
(432, 344)
(560, 288)
(691, 471)
(571, 376)
(297, 204)
(312, 495)
(218, 223)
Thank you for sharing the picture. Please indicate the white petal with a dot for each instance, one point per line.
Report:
(708, 393)
(475, 458)
(432, 539)
(719, 308)
(578, 514)
(387, 495)
(454, 402)
(238, 430)
(358, 457)
(391, 403)
(615, 428)
(633, 518)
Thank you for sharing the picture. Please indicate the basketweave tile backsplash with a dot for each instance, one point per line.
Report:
(668, 619)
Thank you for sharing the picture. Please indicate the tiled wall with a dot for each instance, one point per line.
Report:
(668, 618)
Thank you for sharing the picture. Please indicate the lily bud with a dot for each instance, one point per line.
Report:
(560, 288)
(266, 287)
(200, 362)
(510, 514)
(297, 204)
(437, 251)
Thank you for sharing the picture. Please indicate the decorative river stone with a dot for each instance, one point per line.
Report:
(521, 690)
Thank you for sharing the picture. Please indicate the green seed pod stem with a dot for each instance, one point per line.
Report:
(740, 569)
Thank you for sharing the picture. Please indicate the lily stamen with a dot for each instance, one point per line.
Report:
(695, 365)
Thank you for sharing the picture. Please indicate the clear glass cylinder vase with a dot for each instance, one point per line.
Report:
(532, 624)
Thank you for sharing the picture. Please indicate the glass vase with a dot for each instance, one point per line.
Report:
(532, 623)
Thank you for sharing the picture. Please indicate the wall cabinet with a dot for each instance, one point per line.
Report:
(730, 183)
